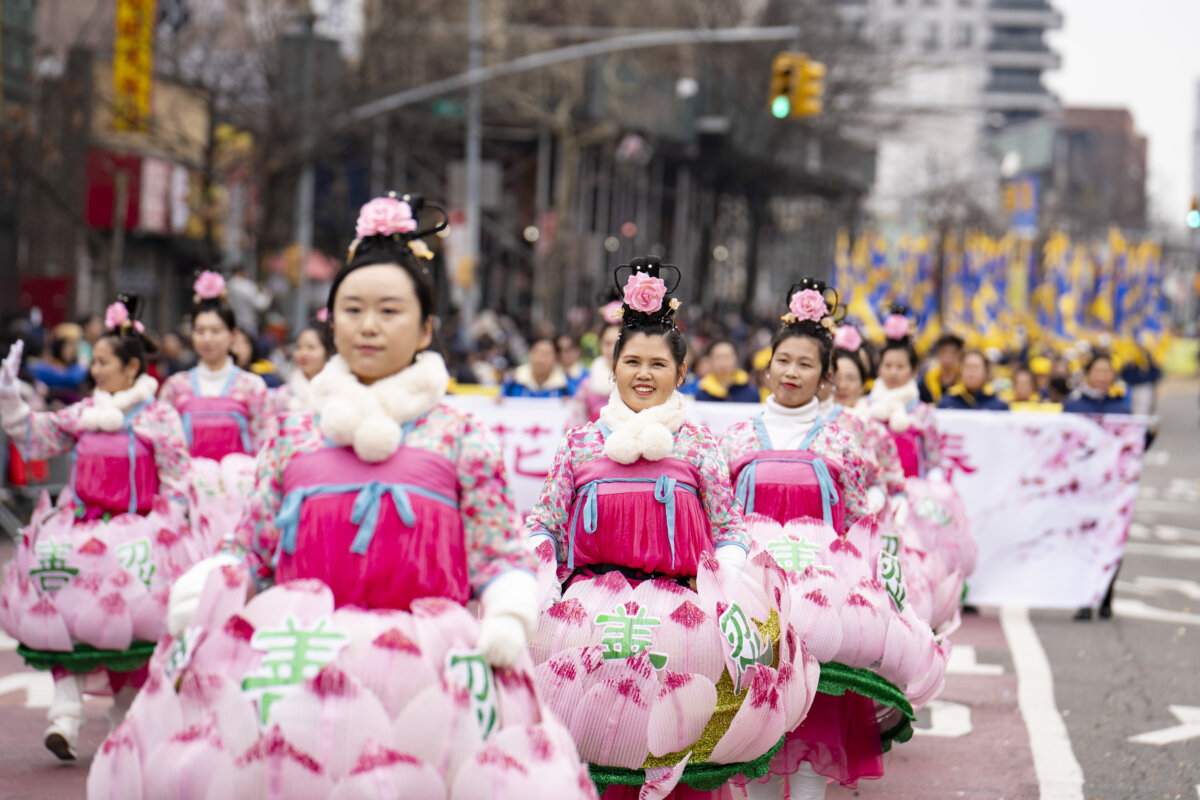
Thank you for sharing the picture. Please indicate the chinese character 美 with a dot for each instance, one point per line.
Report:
(795, 555)
(474, 674)
(53, 572)
(746, 645)
(626, 636)
(293, 656)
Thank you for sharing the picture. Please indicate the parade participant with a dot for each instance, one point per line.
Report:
(1098, 393)
(86, 592)
(972, 392)
(570, 358)
(726, 381)
(851, 374)
(540, 376)
(1024, 395)
(247, 355)
(895, 401)
(788, 463)
(597, 387)
(637, 517)
(223, 407)
(374, 519)
(310, 352)
(944, 372)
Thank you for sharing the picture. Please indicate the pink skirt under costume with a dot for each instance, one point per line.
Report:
(86, 592)
(641, 667)
(356, 676)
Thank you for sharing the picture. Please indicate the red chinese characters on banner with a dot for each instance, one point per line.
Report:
(955, 458)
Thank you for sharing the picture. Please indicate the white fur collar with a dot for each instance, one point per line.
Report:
(369, 417)
(648, 434)
(600, 378)
(824, 408)
(107, 412)
(891, 405)
(556, 380)
(302, 393)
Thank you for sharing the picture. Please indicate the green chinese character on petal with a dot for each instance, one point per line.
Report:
(293, 655)
(625, 636)
(746, 645)
(795, 555)
(135, 557)
(892, 578)
(473, 674)
(53, 572)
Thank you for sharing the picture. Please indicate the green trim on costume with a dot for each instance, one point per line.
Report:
(837, 679)
(901, 733)
(85, 658)
(703, 777)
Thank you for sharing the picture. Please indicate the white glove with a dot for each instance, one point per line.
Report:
(732, 556)
(936, 474)
(12, 407)
(509, 606)
(186, 591)
(902, 510)
(876, 499)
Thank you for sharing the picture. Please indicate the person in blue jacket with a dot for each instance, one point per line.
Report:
(726, 381)
(541, 376)
(973, 392)
(1098, 393)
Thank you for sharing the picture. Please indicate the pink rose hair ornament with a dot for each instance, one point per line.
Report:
(397, 217)
(645, 292)
(897, 327)
(848, 338)
(209, 285)
(811, 300)
(118, 320)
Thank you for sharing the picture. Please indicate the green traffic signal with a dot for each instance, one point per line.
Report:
(1193, 219)
(781, 107)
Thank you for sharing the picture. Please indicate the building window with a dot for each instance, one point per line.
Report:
(931, 39)
(896, 34)
(964, 35)
(966, 3)
(930, 3)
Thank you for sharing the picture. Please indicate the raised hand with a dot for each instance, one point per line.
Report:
(9, 368)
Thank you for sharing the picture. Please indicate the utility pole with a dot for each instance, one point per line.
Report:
(304, 191)
(471, 293)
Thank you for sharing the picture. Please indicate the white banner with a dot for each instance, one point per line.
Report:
(1050, 496)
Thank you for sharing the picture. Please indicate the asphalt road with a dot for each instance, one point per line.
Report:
(1123, 722)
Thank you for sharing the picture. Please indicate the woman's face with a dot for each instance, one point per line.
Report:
(895, 369)
(1023, 387)
(542, 359)
(795, 371)
(243, 351)
(309, 354)
(646, 373)
(377, 325)
(1100, 376)
(568, 352)
(211, 339)
(107, 370)
(848, 381)
(723, 361)
(974, 372)
(608, 341)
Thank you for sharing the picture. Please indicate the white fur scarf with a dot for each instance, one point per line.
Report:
(891, 405)
(302, 393)
(648, 434)
(368, 418)
(107, 412)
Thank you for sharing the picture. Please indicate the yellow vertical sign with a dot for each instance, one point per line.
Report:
(133, 64)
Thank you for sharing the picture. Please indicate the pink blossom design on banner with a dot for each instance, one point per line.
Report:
(808, 304)
(611, 313)
(895, 326)
(115, 316)
(209, 285)
(847, 338)
(385, 216)
(644, 293)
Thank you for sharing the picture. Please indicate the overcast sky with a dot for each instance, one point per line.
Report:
(1143, 55)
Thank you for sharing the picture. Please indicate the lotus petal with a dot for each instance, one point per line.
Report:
(691, 641)
(439, 728)
(281, 771)
(683, 707)
(303, 600)
(566, 678)
(661, 781)
(611, 724)
(215, 698)
(41, 627)
(199, 766)
(383, 774)
(601, 594)
(116, 772)
(107, 625)
(443, 625)
(863, 632)
(533, 761)
(391, 665)
(563, 626)
(758, 724)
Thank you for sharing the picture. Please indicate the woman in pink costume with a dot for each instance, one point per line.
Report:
(663, 641)
(375, 519)
(310, 351)
(595, 389)
(789, 463)
(86, 594)
(225, 412)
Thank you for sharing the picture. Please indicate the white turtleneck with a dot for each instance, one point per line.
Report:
(825, 407)
(787, 427)
(211, 382)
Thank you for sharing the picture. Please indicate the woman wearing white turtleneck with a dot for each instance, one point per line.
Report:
(895, 402)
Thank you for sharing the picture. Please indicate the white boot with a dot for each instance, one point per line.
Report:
(65, 715)
(770, 789)
(120, 707)
(806, 784)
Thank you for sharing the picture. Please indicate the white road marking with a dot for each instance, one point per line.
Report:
(1171, 533)
(7, 643)
(1164, 506)
(1157, 458)
(1139, 531)
(1189, 728)
(1136, 588)
(947, 720)
(1189, 589)
(962, 662)
(38, 687)
(1138, 609)
(1172, 551)
(1059, 774)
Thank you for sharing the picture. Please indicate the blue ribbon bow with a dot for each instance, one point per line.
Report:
(664, 492)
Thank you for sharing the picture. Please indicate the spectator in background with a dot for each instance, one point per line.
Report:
(174, 357)
(1141, 374)
(92, 328)
(1098, 393)
(248, 356)
(944, 372)
(540, 376)
(60, 371)
(972, 392)
(1025, 396)
(570, 358)
(247, 301)
(726, 380)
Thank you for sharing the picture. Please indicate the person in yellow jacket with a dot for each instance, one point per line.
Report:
(944, 372)
(1024, 395)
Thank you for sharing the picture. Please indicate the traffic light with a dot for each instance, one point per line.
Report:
(810, 88)
(797, 86)
(783, 85)
(1193, 216)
